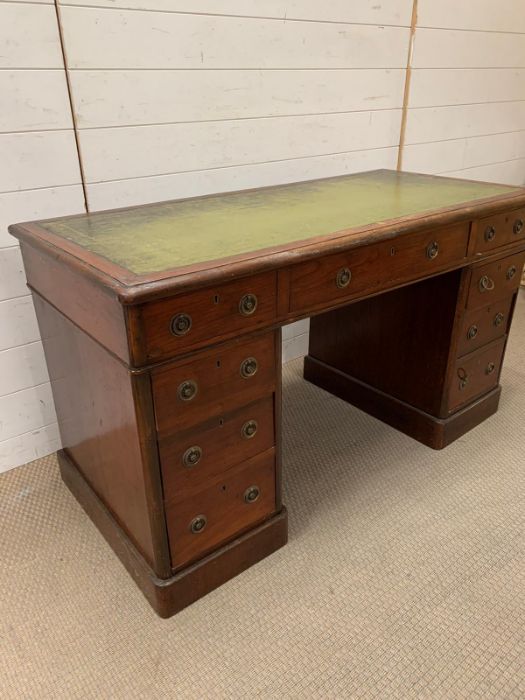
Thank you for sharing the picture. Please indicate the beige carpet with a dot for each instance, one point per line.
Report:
(403, 578)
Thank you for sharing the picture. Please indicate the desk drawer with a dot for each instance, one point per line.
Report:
(175, 325)
(499, 229)
(495, 280)
(213, 382)
(476, 373)
(335, 278)
(244, 497)
(481, 326)
(193, 458)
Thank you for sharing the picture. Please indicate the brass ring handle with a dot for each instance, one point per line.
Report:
(180, 324)
(187, 390)
(498, 319)
(249, 367)
(518, 226)
(248, 304)
(490, 233)
(489, 369)
(198, 524)
(343, 277)
(249, 429)
(472, 332)
(192, 456)
(432, 250)
(463, 378)
(251, 494)
(486, 284)
(511, 272)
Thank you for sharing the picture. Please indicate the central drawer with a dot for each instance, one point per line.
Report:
(336, 278)
(213, 382)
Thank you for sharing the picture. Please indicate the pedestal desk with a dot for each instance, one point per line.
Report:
(161, 328)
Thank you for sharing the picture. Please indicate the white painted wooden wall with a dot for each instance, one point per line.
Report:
(39, 177)
(174, 98)
(466, 115)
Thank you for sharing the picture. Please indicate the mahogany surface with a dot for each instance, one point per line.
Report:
(376, 267)
(498, 273)
(222, 502)
(221, 443)
(398, 342)
(214, 312)
(95, 404)
(218, 380)
(498, 230)
(482, 325)
(162, 331)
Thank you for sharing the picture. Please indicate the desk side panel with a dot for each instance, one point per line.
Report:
(82, 300)
(96, 413)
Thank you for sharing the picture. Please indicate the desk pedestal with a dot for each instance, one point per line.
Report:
(401, 357)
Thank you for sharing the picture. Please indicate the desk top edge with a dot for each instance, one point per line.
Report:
(133, 287)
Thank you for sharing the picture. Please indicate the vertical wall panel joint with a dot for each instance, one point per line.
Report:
(406, 94)
(71, 103)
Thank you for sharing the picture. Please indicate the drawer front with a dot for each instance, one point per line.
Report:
(495, 280)
(340, 277)
(243, 498)
(213, 382)
(175, 325)
(481, 326)
(190, 459)
(475, 374)
(499, 229)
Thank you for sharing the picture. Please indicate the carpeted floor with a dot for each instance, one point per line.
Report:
(403, 578)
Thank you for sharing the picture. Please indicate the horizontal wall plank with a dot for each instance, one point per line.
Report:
(124, 39)
(511, 172)
(295, 347)
(501, 16)
(22, 368)
(18, 324)
(438, 48)
(12, 276)
(111, 154)
(30, 205)
(123, 98)
(38, 159)
(395, 12)
(154, 189)
(33, 100)
(440, 87)
(29, 446)
(26, 410)
(291, 330)
(441, 156)
(31, 39)
(440, 123)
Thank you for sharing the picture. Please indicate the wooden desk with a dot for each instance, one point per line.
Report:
(161, 327)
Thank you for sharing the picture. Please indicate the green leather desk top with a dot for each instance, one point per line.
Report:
(159, 237)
